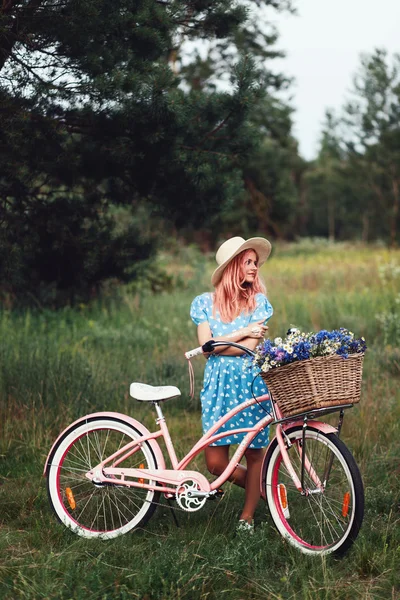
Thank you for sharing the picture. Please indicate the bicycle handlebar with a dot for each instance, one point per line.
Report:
(194, 352)
(211, 344)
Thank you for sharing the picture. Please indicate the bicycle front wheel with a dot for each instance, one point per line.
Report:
(99, 510)
(327, 518)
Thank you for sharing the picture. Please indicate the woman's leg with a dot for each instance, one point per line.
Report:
(254, 458)
(217, 459)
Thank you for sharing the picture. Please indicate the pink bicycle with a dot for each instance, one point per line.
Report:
(106, 471)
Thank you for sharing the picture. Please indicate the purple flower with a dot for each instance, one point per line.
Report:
(323, 343)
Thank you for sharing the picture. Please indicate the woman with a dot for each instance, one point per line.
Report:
(237, 311)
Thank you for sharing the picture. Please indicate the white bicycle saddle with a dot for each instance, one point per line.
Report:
(150, 393)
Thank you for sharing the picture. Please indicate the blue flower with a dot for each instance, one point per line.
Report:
(302, 346)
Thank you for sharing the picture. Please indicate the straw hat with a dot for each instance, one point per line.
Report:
(235, 246)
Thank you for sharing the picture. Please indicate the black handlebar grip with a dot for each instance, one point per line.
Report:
(208, 346)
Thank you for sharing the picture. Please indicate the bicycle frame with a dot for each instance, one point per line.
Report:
(305, 466)
(104, 471)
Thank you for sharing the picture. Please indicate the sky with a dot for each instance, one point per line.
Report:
(323, 44)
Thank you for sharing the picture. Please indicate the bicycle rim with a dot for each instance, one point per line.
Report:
(92, 510)
(322, 521)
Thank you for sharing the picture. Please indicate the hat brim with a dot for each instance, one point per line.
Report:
(260, 245)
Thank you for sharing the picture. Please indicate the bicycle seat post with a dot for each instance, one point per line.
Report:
(160, 416)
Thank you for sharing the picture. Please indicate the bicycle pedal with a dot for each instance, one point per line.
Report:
(218, 494)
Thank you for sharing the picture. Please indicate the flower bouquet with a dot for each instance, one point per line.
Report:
(308, 371)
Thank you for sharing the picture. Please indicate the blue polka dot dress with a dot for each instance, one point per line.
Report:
(227, 379)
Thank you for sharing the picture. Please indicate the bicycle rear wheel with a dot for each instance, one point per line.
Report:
(319, 522)
(99, 510)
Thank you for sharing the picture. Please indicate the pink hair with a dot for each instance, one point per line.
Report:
(232, 295)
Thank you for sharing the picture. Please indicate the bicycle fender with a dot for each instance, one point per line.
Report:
(324, 427)
(129, 420)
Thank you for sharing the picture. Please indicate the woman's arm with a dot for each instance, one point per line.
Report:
(250, 343)
(247, 336)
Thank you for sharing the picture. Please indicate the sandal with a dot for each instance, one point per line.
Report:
(245, 527)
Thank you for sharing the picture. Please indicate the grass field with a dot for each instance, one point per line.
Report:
(57, 366)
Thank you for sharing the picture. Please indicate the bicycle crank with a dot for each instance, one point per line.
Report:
(189, 497)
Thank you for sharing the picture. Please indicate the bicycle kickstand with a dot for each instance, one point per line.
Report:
(173, 512)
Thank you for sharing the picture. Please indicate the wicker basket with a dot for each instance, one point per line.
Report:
(319, 382)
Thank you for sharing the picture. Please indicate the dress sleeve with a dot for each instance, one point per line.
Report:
(198, 310)
(263, 309)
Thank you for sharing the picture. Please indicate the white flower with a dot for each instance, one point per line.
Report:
(294, 331)
(277, 341)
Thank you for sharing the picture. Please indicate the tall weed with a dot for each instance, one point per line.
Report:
(57, 366)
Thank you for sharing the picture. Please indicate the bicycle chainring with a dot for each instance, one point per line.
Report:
(184, 498)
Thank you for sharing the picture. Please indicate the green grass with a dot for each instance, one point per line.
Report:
(57, 366)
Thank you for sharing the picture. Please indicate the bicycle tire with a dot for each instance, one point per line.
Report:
(317, 523)
(88, 509)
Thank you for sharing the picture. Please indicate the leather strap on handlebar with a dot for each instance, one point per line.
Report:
(191, 380)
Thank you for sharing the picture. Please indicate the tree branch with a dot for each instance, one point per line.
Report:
(23, 64)
(9, 37)
(208, 151)
(217, 128)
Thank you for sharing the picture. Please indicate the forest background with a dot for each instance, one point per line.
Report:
(127, 125)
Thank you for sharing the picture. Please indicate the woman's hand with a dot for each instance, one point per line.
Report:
(256, 330)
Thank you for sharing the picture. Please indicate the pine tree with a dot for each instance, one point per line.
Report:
(373, 140)
(271, 164)
(92, 115)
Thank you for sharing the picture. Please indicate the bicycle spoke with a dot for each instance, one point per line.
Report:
(116, 504)
(104, 512)
(88, 500)
(72, 468)
(111, 510)
(334, 515)
(314, 520)
(80, 456)
(96, 515)
(326, 521)
(75, 486)
(317, 522)
(92, 443)
(97, 446)
(129, 495)
(118, 511)
(96, 509)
